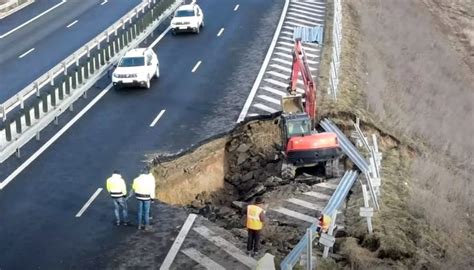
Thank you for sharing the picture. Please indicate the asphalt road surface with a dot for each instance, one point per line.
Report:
(39, 228)
(36, 38)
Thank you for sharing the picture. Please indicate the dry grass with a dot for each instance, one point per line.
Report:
(426, 213)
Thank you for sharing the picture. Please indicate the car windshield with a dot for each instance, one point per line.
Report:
(132, 62)
(298, 128)
(184, 13)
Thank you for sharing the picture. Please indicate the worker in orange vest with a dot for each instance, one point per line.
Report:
(255, 218)
(324, 222)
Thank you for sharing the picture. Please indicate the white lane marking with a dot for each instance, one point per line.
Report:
(294, 214)
(27, 52)
(317, 195)
(220, 32)
(91, 199)
(259, 78)
(159, 37)
(305, 204)
(71, 24)
(103, 3)
(236, 7)
(310, 21)
(264, 108)
(202, 259)
(327, 185)
(178, 242)
(196, 66)
(32, 19)
(54, 138)
(157, 118)
(274, 91)
(310, 5)
(226, 246)
(269, 99)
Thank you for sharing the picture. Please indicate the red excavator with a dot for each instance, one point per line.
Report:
(304, 146)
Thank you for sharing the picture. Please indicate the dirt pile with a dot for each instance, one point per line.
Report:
(218, 178)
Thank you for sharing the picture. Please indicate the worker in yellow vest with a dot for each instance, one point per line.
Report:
(118, 191)
(144, 190)
(324, 223)
(255, 214)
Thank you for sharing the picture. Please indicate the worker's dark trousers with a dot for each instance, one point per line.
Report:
(253, 240)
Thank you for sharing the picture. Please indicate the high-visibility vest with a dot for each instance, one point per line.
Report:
(253, 217)
(143, 188)
(116, 186)
(325, 223)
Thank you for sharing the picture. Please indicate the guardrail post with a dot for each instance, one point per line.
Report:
(84, 73)
(8, 131)
(27, 114)
(64, 67)
(102, 53)
(68, 85)
(97, 40)
(2, 111)
(309, 249)
(122, 22)
(22, 101)
(37, 89)
(53, 98)
(36, 110)
(51, 77)
(18, 125)
(18, 153)
(367, 211)
(88, 51)
(91, 65)
(328, 239)
(61, 90)
(76, 59)
(45, 103)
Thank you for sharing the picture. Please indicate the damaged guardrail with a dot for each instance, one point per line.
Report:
(50, 105)
(326, 239)
(336, 50)
(12, 6)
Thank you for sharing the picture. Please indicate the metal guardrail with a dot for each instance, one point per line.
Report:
(12, 6)
(336, 50)
(34, 87)
(351, 151)
(331, 208)
(51, 105)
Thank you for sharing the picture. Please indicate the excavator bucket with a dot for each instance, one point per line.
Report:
(292, 104)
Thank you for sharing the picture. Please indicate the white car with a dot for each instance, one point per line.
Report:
(187, 18)
(136, 68)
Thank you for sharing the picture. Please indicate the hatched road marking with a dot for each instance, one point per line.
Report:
(178, 242)
(236, 7)
(226, 246)
(91, 199)
(294, 214)
(305, 204)
(202, 259)
(103, 3)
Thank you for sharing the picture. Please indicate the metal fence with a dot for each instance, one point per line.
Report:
(11, 6)
(336, 50)
(66, 85)
(304, 249)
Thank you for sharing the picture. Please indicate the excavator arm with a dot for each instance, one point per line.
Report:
(300, 66)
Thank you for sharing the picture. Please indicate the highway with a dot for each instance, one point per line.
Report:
(39, 228)
(36, 38)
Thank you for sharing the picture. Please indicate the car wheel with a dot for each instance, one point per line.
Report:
(197, 30)
(202, 23)
(173, 32)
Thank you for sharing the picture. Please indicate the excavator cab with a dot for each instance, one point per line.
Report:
(296, 125)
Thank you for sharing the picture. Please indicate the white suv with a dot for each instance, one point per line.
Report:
(136, 68)
(187, 18)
